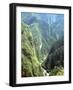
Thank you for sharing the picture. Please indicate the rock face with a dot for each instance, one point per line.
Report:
(30, 63)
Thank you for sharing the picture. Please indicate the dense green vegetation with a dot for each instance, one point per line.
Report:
(58, 71)
(42, 44)
(30, 63)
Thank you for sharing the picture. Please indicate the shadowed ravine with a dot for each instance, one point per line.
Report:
(42, 44)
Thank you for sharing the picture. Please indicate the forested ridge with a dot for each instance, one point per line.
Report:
(42, 44)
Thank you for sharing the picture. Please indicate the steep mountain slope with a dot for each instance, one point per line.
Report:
(44, 44)
(37, 39)
(50, 26)
(30, 63)
(55, 59)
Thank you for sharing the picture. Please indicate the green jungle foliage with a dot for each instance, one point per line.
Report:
(42, 45)
(30, 63)
(58, 71)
